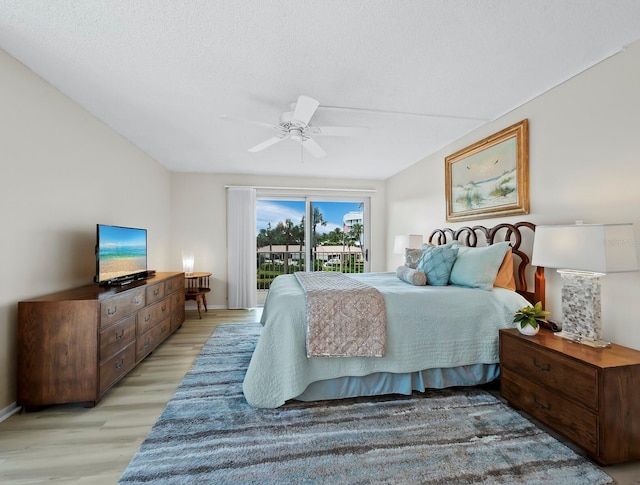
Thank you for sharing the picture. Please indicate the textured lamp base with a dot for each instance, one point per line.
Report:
(581, 339)
(581, 308)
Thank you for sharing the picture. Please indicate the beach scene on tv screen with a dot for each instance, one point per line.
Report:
(122, 251)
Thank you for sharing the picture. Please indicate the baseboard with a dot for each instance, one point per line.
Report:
(9, 411)
(210, 307)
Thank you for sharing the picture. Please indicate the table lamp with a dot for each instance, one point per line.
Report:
(582, 253)
(188, 260)
(405, 241)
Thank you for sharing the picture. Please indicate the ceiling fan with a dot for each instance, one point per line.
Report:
(294, 124)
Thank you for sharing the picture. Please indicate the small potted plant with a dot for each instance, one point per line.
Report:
(528, 319)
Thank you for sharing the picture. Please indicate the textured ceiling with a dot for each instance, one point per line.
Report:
(161, 73)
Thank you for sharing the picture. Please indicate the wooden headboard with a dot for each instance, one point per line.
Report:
(511, 233)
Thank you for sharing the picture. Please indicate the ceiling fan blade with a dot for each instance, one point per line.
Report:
(312, 147)
(267, 143)
(253, 122)
(305, 107)
(338, 130)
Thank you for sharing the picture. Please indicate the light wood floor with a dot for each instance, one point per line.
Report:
(73, 445)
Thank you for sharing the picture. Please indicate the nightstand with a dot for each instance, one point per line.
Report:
(591, 396)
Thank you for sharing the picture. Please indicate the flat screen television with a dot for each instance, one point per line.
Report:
(121, 254)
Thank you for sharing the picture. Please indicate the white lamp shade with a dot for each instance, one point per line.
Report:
(599, 248)
(407, 241)
(188, 260)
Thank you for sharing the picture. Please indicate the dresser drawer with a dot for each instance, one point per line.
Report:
(174, 284)
(119, 306)
(177, 317)
(115, 367)
(575, 422)
(554, 370)
(155, 293)
(151, 315)
(177, 301)
(117, 336)
(154, 337)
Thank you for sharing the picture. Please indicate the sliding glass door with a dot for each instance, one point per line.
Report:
(280, 241)
(311, 234)
(338, 235)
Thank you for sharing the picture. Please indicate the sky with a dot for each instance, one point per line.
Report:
(275, 211)
(122, 236)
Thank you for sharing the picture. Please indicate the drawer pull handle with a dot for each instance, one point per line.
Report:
(120, 335)
(147, 317)
(147, 342)
(164, 308)
(546, 407)
(112, 311)
(156, 291)
(119, 364)
(137, 300)
(544, 368)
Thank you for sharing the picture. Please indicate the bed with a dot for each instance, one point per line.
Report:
(436, 336)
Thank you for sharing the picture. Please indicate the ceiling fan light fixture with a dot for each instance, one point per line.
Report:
(296, 134)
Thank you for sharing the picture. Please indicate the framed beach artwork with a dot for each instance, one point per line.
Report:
(491, 177)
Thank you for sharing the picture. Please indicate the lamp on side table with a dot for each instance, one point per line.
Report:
(582, 253)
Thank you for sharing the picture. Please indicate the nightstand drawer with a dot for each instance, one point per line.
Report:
(566, 417)
(553, 370)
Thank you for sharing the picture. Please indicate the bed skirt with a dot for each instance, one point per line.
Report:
(381, 383)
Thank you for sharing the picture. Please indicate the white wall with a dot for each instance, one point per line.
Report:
(61, 172)
(584, 165)
(198, 208)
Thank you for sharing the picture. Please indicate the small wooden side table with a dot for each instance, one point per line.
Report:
(589, 395)
(196, 287)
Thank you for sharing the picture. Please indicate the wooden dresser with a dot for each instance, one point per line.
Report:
(590, 396)
(74, 345)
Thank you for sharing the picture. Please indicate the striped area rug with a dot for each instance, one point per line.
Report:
(208, 434)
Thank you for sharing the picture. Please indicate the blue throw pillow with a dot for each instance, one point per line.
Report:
(436, 262)
(478, 267)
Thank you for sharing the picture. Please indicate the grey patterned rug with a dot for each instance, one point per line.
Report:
(209, 434)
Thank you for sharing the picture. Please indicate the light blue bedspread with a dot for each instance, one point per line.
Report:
(427, 327)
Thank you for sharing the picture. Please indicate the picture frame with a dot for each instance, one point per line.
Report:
(491, 177)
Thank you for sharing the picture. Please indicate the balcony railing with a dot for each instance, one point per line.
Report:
(274, 263)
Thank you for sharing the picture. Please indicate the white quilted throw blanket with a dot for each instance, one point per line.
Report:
(345, 318)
